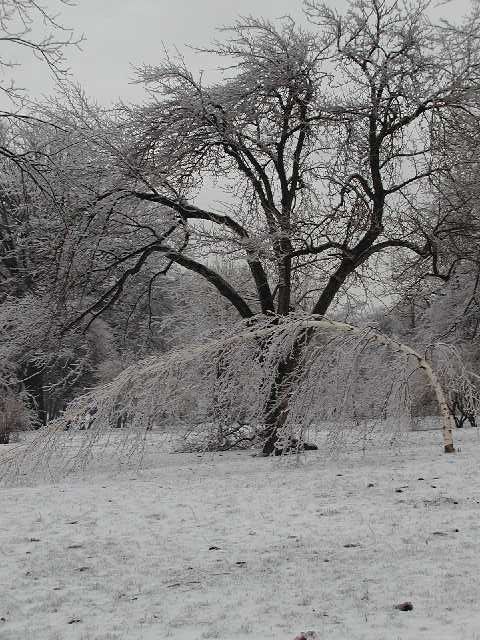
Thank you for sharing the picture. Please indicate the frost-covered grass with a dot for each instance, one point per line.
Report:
(236, 547)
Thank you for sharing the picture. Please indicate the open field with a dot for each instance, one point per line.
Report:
(236, 547)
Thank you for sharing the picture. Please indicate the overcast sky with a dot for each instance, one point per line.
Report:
(123, 33)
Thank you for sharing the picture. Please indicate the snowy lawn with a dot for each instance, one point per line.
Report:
(236, 547)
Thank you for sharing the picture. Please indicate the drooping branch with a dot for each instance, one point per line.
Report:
(448, 423)
(247, 358)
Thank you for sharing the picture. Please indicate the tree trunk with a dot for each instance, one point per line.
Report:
(276, 413)
(4, 429)
(276, 409)
(34, 384)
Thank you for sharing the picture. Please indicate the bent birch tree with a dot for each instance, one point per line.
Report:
(184, 387)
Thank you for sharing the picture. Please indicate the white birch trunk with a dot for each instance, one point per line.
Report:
(448, 423)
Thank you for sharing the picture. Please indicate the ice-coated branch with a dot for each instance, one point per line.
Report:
(347, 381)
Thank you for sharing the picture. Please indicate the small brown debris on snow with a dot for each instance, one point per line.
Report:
(404, 606)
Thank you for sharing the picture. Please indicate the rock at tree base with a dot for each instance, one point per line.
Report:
(292, 445)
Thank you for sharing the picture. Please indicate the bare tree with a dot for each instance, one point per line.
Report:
(323, 139)
(24, 24)
(31, 25)
(25, 168)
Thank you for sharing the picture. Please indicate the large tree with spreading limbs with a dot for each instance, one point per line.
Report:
(325, 140)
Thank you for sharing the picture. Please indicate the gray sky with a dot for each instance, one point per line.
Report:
(124, 33)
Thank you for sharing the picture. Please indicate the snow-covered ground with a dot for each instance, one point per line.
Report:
(238, 547)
